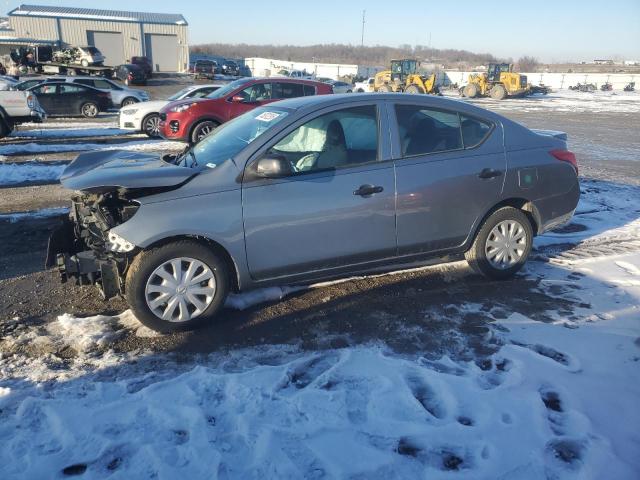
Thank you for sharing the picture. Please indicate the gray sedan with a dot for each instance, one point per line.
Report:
(310, 189)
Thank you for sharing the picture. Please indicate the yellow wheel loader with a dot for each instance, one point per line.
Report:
(404, 77)
(499, 82)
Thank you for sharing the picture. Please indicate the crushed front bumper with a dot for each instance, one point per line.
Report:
(64, 252)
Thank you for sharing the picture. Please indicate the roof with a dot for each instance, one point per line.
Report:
(95, 14)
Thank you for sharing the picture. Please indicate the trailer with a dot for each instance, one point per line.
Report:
(42, 59)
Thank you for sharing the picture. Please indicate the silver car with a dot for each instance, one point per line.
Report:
(310, 189)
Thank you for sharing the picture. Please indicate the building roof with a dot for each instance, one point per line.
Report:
(95, 14)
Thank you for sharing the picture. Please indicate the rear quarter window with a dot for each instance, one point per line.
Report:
(309, 90)
(474, 131)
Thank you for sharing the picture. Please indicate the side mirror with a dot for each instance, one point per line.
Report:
(273, 166)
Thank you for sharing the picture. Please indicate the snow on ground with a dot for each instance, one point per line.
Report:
(14, 173)
(143, 145)
(558, 400)
(72, 124)
(564, 101)
(70, 132)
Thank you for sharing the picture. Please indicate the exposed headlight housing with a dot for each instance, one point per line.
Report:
(181, 108)
(116, 243)
(129, 111)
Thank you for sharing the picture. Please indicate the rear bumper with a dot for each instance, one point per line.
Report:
(557, 210)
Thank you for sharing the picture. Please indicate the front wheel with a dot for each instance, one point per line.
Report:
(502, 244)
(151, 125)
(202, 130)
(414, 89)
(84, 63)
(177, 286)
(129, 101)
(89, 110)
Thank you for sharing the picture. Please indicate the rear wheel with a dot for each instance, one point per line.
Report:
(128, 101)
(384, 88)
(89, 109)
(151, 125)
(203, 129)
(471, 90)
(502, 244)
(84, 63)
(414, 89)
(4, 128)
(177, 286)
(71, 72)
(498, 92)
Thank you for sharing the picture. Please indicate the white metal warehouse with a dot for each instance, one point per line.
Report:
(118, 35)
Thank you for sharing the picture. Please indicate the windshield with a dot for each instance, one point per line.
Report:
(228, 140)
(228, 88)
(180, 93)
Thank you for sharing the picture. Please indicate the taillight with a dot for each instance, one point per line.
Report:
(565, 156)
(130, 76)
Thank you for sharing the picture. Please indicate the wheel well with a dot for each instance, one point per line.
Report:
(135, 100)
(526, 206)
(234, 277)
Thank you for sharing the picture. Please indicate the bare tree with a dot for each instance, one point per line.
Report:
(528, 64)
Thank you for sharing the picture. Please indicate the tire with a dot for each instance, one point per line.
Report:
(71, 72)
(128, 101)
(89, 110)
(144, 285)
(471, 90)
(486, 259)
(414, 89)
(384, 89)
(84, 63)
(349, 91)
(360, 90)
(151, 125)
(203, 129)
(498, 92)
(4, 128)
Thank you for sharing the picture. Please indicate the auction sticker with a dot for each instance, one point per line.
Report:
(267, 116)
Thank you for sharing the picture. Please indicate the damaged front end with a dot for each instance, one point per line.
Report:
(84, 249)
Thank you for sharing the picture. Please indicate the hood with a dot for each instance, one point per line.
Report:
(123, 169)
(185, 101)
(153, 105)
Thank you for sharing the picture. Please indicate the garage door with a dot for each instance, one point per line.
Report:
(110, 44)
(163, 51)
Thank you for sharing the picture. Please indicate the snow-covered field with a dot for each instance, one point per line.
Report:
(558, 400)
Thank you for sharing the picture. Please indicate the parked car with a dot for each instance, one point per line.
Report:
(145, 117)
(145, 64)
(366, 86)
(18, 107)
(31, 82)
(63, 98)
(229, 67)
(190, 120)
(84, 56)
(130, 74)
(310, 189)
(7, 83)
(204, 68)
(121, 95)
(341, 87)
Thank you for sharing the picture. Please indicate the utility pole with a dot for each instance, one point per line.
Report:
(363, 22)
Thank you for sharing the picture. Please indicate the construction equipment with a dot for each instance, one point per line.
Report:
(499, 82)
(630, 87)
(404, 76)
(584, 87)
(606, 87)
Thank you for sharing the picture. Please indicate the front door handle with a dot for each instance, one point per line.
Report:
(489, 173)
(366, 190)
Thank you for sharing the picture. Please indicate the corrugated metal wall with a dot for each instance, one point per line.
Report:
(74, 32)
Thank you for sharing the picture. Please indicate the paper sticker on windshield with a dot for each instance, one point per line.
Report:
(267, 116)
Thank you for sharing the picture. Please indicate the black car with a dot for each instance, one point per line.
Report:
(204, 68)
(32, 82)
(60, 98)
(229, 67)
(130, 74)
(145, 64)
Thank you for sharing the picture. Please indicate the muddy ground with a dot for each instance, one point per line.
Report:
(415, 311)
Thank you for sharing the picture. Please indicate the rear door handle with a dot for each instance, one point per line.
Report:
(366, 190)
(489, 173)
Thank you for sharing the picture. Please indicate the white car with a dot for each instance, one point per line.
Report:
(145, 116)
(341, 87)
(366, 86)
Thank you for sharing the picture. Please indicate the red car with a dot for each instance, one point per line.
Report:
(190, 120)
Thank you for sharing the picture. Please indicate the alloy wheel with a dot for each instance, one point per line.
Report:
(152, 126)
(89, 110)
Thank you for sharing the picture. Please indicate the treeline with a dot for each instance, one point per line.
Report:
(338, 53)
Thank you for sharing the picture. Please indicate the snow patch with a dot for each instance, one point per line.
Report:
(42, 213)
(70, 132)
(144, 145)
(14, 173)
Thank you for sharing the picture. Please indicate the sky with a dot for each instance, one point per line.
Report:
(553, 31)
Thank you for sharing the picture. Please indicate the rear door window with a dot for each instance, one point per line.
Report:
(309, 90)
(474, 131)
(424, 130)
(85, 81)
(287, 90)
(102, 84)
